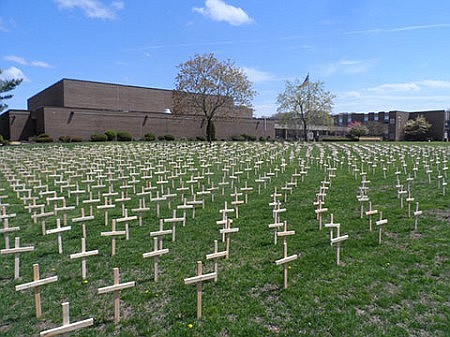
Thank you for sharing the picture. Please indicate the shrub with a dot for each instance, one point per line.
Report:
(124, 136)
(248, 137)
(149, 137)
(76, 140)
(237, 138)
(99, 137)
(111, 134)
(169, 137)
(44, 138)
(65, 139)
(2, 140)
(202, 139)
(160, 137)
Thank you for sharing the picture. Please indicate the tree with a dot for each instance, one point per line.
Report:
(417, 129)
(356, 129)
(303, 104)
(6, 86)
(212, 88)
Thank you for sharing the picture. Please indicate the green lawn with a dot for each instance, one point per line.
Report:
(400, 287)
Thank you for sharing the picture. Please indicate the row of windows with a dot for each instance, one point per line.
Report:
(376, 118)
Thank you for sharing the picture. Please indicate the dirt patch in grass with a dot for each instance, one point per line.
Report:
(440, 214)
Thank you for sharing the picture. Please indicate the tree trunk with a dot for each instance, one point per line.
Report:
(305, 133)
(210, 130)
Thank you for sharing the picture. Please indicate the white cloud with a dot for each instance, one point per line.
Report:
(400, 29)
(93, 8)
(13, 73)
(16, 59)
(21, 60)
(218, 10)
(256, 75)
(438, 84)
(391, 87)
(347, 67)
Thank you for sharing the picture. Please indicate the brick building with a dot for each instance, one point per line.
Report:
(78, 108)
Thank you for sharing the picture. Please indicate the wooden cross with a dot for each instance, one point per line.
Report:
(371, 212)
(116, 288)
(42, 215)
(67, 326)
(227, 231)
(91, 201)
(174, 220)
(140, 209)
(63, 209)
(362, 198)
(36, 284)
(380, 224)
(83, 255)
(236, 201)
(198, 281)
(59, 230)
(122, 201)
(417, 213)
(6, 229)
(246, 189)
(284, 262)
(401, 194)
(106, 206)
(161, 232)
(17, 250)
(126, 218)
(156, 253)
(215, 256)
(113, 233)
(409, 200)
(319, 212)
(336, 240)
(186, 206)
(83, 220)
(157, 199)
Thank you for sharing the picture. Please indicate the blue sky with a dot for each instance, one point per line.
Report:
(374, 55)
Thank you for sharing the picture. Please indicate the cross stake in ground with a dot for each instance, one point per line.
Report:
(284, 261)
(371, 212)
(59, 230)
(156, 253)
(113, 235)
(36, 284)
(17, 250)
(380, 224)
(198, 281)
(215, 256)
(83, 255)
(67, 326)
(116, 288)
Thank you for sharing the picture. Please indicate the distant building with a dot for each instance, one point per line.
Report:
(78, 108)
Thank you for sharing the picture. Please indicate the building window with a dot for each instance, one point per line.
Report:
(375, 117)
(392, 121)
(386, 118)
(340, 120)
(349, 119)
(366, 118)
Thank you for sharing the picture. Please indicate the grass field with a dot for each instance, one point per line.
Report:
(400, 287)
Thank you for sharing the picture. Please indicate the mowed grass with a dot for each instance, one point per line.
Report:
(400, 287)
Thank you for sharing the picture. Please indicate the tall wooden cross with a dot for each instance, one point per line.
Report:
(380, 224)
(83, 220)
(113, 234)
(116, 288)
(198, 281)
(156, 253)
(83, 255)
(36, 284)
(371, 212)
(284, 262)
(215, 256)
(59, 230)
(67, 326)
(6, 229)
(106, 206)
(17, 250)
(126, 218)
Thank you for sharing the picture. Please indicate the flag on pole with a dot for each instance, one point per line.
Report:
(306, 81)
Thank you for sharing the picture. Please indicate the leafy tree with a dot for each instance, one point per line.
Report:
(417, 129)
(303, 104)
(6, 86)
(356, 129)
(206, 85)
